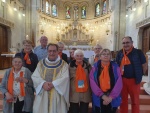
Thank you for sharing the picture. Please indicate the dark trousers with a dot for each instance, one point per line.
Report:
(18, 106)
(105, 108)
(81, 107)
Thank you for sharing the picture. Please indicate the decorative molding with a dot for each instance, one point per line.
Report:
(143, 22)
(6, 22)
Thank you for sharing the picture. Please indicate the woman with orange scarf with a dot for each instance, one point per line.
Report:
(106, 84)
(80, 93)
(17, 88)
(30, 60)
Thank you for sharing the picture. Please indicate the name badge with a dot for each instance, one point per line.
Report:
(122, 68)
(80, 83)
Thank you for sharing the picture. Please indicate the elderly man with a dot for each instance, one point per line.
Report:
(132, 63)
(51, 82)
(61, 54)
(95, 58)
(41, 50)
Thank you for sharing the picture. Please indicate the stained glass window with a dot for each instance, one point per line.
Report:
(97, 9)
(43, 5)
(83, 12)
(54, 10)
(47, 7)
(104, 7)
(68, 15)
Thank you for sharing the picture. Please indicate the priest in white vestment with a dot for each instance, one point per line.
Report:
(51, 82)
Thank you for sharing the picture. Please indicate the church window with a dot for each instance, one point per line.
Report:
(104, 7)
(97, 9)
(54, 10)
(43, 5)
(68, 15)
(83, 12)
(47, 7)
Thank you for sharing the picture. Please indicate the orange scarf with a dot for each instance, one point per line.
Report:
(81, 82)
(60, 54)
(11, 81)
(95, 59)
(27, 58)
(104, 78)
(125, 60)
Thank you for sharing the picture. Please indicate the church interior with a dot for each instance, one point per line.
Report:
(77, 23)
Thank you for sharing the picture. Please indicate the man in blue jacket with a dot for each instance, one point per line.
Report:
(132, 63)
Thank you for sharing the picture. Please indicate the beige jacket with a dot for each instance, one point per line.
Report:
(76, 97)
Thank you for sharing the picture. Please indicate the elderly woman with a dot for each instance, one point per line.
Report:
(71, 54)
(80, 93)
(106, 84)
(30, 59)
(17, 88)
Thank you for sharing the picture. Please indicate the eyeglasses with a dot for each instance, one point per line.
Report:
(52, 51)
(126, 42)
(104, 54)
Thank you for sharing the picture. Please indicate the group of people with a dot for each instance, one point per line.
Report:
(65, 85)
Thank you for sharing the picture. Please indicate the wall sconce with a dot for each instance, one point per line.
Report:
(15, 9)
(42, 31)
(107, 31)
(3, 1)
(23, 10)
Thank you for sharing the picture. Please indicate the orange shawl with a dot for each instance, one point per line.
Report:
(27, 58)
(11, 81)
(81, 83)
(60, 54)
(125, 60)
(104, 78)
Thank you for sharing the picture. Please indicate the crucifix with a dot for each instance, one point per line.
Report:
(145, 8)
(76, 13)
(75, 23)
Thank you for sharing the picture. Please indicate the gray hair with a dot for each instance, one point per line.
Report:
(78, 51)
(98, 45)
(60, 43)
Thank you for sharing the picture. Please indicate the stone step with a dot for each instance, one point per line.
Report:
(144, 100)
(143, 109)
(142, 91)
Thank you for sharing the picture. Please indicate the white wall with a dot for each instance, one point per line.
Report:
(134, 17)
(17, 33)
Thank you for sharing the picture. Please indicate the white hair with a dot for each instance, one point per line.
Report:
(78, 51)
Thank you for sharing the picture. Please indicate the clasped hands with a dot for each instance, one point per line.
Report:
(47, 86)
(21, 79)
(106, 99)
